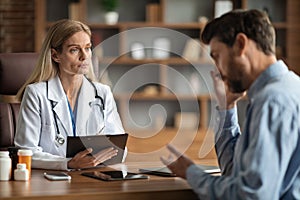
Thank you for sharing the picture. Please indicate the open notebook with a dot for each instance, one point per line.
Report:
(164, 171)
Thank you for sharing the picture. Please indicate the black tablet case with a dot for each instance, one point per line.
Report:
(98, 143)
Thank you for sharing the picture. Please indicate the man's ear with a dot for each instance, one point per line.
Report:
(54, 55)
(240, 43)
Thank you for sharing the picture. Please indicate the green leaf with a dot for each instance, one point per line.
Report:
(109, 5)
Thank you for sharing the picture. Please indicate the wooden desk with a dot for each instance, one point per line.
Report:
(85, 188)
(82, 188)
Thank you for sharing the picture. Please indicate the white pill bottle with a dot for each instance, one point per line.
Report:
(5, 166)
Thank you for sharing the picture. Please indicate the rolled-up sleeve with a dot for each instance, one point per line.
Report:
(261, 156)
(226, 139)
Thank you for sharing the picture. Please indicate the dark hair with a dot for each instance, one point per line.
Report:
(254, 24)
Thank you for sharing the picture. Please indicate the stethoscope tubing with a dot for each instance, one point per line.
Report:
(59, 139)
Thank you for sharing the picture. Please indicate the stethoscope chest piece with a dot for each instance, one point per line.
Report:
(59, 140)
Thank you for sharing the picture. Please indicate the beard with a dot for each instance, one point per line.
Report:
(235, 78)
(235, 86)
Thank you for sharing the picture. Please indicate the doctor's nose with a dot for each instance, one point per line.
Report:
(84, 54)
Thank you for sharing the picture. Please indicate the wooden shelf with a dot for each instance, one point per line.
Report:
(162, 97)
(166, 130)
(171, 61)
(120, 61)
(280, 25)
(130, 25)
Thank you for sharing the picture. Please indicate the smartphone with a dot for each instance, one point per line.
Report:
(57, 176)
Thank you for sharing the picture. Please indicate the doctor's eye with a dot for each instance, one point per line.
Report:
(74, 50)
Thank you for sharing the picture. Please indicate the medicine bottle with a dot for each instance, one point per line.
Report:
(21, 173)
(5, 166)
(24, 156)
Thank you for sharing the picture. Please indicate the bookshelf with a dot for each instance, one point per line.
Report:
(150, 81)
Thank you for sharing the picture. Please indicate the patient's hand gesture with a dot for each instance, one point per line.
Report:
(179, 165)
(83, 159)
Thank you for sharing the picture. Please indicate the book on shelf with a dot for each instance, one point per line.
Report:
(153, 13)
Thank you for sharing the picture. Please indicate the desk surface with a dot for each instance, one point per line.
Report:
(81, 187)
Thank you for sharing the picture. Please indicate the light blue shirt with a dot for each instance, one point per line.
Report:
(264, 161)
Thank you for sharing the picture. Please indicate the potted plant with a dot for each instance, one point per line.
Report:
(110, 6)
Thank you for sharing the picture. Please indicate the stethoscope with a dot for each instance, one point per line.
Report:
(59, 138)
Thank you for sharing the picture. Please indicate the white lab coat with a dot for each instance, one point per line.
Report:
(36, 128)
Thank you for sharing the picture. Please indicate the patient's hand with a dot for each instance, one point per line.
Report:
(178, 166)
(83, 159)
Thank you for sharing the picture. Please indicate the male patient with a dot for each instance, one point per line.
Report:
(262, 162)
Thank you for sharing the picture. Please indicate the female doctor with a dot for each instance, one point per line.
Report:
(60, 99)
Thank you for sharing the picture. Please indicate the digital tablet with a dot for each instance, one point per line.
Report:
(114, 175)
(164, 171)
(98, 143)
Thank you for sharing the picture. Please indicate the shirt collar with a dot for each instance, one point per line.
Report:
(275, 70)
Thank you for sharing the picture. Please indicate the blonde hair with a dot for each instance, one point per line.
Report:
(45, 67)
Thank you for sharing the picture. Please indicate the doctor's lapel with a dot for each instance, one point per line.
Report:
(86, 98)
(57, 97)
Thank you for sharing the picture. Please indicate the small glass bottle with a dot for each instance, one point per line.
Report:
(5, 166)
(21, 173)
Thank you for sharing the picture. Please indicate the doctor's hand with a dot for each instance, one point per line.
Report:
(83, 159)
(178, 166)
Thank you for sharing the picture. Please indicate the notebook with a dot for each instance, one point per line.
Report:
(98, 143)
(164, 171)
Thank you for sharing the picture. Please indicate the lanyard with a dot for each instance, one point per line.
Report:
(72, 118)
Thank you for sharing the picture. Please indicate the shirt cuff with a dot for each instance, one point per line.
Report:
(229, 117)
(194, 174)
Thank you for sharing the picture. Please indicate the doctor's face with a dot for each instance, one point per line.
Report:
(75, 56)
